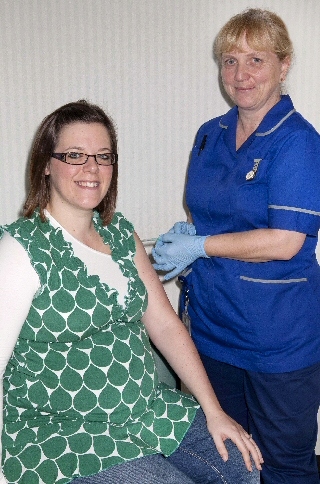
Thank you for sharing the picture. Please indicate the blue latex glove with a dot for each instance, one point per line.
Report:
(174, 252)
(183, 228)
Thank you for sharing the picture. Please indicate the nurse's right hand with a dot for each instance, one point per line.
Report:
(175, 252)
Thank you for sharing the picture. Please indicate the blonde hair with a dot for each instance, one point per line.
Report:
(263, 31)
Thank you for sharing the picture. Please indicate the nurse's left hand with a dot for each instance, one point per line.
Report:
(174, 252)
(183, 228)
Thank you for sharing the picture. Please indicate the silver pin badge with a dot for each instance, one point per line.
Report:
(252, 173)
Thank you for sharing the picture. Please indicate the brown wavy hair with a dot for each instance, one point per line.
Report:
(44, 144)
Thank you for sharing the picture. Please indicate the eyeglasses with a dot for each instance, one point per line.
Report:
(75, 158)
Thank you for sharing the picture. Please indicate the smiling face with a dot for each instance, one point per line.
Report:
(79, 187)
(253, 79)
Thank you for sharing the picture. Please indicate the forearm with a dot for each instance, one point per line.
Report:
(179, 350)
(259, 245)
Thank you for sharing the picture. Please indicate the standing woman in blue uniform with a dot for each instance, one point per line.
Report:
(253, 192)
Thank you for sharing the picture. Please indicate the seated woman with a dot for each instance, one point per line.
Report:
(79, 301)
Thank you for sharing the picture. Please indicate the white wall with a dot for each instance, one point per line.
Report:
(149, 64)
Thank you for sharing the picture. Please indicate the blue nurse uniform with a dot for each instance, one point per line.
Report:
(263, 318)
(259, 316)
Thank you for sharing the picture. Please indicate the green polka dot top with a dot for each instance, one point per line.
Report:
(81, 392)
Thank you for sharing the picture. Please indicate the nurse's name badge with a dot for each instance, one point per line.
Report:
(252, 173)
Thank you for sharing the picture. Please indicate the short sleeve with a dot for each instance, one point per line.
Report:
(294, 184)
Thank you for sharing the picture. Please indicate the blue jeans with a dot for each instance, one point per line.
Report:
(279, 410)
(195, 461)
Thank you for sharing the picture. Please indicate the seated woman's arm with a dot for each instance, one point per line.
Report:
(172, 339)
(18, 284)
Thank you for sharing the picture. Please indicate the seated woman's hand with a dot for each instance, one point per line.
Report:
(223, 427)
